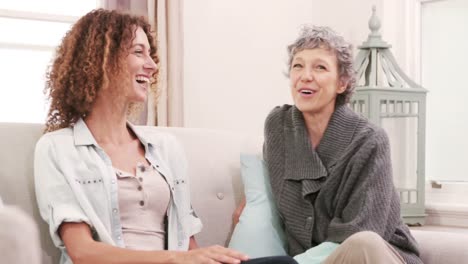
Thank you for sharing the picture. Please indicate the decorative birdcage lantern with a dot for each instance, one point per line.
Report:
(390, 99)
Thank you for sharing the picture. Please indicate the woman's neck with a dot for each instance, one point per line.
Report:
(317, 123)
(108, 123)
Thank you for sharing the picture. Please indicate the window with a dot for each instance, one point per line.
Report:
(30, 30)
(444, 38)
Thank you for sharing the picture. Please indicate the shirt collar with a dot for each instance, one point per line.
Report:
(144, 139)
(83, 136)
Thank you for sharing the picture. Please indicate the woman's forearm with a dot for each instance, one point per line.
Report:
(237, 213)
(98, 252)
(192, 243)
(83, 249)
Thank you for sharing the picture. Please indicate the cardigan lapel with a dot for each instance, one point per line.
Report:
(302, 162)
(338, 135)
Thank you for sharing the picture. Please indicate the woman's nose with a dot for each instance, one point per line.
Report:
(150, 64)
(307, 76)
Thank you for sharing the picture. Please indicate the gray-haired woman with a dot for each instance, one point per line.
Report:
(330, 169)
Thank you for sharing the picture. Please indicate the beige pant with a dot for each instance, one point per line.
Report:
(365, 247)
(19, 237)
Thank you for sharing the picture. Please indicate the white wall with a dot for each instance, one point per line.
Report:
(235, 52)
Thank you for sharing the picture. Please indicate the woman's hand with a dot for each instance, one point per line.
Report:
(237, 213)
(83, 249)
(213, 254)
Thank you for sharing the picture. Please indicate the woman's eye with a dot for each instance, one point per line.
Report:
(321, 67)
(297, 65)
(138, 52)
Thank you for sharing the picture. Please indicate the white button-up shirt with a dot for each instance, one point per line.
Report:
(75, 182)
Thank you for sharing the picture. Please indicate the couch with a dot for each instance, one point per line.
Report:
(216, 187)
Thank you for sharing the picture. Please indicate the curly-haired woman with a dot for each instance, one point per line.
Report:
(112, 192)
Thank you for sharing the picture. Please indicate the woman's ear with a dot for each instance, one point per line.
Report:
(342, 87)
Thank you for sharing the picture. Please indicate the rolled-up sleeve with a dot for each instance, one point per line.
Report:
(196, 225)
(179, 164)
(55, 197)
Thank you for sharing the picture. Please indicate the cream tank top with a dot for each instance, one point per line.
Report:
(143, 202)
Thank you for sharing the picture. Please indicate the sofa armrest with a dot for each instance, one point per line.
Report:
(442, 247)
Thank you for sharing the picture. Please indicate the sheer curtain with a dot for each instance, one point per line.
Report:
(170, 43)
(165, 17)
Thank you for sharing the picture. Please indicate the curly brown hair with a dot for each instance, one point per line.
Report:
(91, 54)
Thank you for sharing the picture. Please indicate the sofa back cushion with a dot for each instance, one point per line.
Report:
(16, 177)
(215, 178)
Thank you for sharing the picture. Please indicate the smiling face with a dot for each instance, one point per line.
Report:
(315, 81)
(140, 66)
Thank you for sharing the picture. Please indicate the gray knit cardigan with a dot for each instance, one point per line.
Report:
(342, 187)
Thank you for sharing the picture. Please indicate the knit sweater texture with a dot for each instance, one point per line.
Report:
(341, 187)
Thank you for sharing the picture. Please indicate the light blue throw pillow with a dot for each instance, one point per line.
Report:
(317, 254)
(259, 232)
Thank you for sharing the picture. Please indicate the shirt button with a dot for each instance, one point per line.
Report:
(142, 203)
(220, 195)
(140, 188)
(113, 181)
(118, 237)
(115, 210)
(180, 243)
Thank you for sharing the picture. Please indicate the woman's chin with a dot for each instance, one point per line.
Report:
(141, 95)
(305, 108)
(138, 99)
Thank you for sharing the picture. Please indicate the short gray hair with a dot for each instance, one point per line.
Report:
(312, 37)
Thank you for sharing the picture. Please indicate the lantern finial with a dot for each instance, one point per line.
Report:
(374, 39)
(374, 23)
